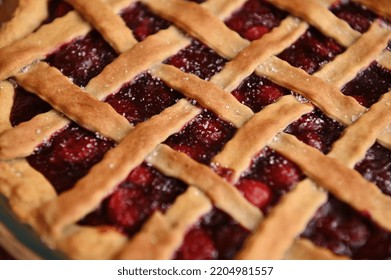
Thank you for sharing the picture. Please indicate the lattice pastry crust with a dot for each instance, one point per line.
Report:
(55, 216)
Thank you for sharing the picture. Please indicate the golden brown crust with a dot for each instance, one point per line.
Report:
(224, 195)
(258, 132)
(140, 58)
(382, 7)
(38, 44)
(162, 234)
(109, 24)
(98, 243)
(328, 98)
(114, 167)
(207, 94)
(26, 17)
(6, 101)
(362, 53)
(198, 21)
(72, 101)
(318, 15)
(270, 240)
(350, 151)
(346, 184)
(21, 140)
(250, 57)
(303, 249)
(35, 201)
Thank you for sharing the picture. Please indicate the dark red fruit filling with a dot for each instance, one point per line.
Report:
(83, 59)
(26, 106)
(270, 176)
(57, 9)
(198, 59)
(311, 51)
(358, 17)
(203, 137)
(369, 85)
(255, 19)
(376, 167)
(142, 21)
(254, 191)
(143, 98)
(256, 92)
(342, 230)
(217, 236)
(316, 130)
(144, 191)
(68, 156)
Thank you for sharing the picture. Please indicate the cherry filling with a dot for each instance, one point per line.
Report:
(26, 106)
(144, 191)
(376, 167)
(216, 236)
(317, 130)
(339, 228)
(83, 59)
(198, 59)
(57, 9)
(254, 19)
(269, 177)
(258, 92)
(203, 137)
(311, 51)
(358, 17)
(369, 85)
(143, 98)
(142, 21)
(68, 156)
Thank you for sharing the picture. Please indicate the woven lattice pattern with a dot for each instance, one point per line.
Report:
(271, 233)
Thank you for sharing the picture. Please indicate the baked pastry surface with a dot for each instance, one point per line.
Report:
(199, 129)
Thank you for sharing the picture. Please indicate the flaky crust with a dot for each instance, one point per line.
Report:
(55, 216)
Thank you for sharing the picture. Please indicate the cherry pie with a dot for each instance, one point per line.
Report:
(240, 129)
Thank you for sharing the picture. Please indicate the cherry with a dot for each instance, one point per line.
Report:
(254, 19)
(254, 191)
(197, 245)
(142, 21)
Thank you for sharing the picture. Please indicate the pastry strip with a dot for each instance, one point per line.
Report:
(364, 51)
(303, 249)
(21, 140)
(211, 97)
(98, 243)
(162, 234)
(46, 40)
(322, 18)
(258, 132)
(346, 149)
(385, 59)
(224, 196)
(199, 22)
(350, 151)
(114, 167)
(25, 19)
(236, 70)
(71, 100)
(107, 22)
(346, 184)
(16, 180)
(328, 98)
(381, 7)
(6, 101)
(270, 240)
